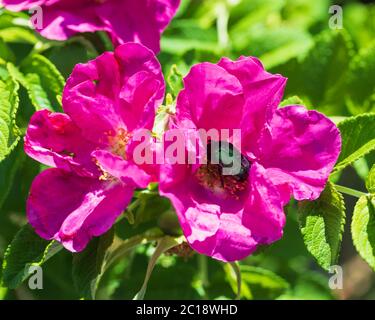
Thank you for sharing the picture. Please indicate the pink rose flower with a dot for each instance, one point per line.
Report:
(140, 21)
(286, 152)
(105, 101)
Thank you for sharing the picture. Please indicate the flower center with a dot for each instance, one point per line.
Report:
(226, 171)
(118, 141)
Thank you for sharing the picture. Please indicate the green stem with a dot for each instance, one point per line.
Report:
(236, 268)
(203, 270)
(350, 191)
(222, 25)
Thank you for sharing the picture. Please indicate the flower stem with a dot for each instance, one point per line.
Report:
(350, 191)
(236, 268)
(222, 25)
(203, 270)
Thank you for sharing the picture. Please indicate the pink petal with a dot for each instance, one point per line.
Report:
(54, 140)
(61, 21)
(211, 226)
(140, 21)
(126, 171)
(104, 95)
(73, 209)
(263, 212)
(299, 151)
(209, 96)
(263, 92)
(20, 5)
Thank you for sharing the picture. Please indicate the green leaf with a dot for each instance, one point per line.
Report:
(319, 76)
(9, 132)
(361, 168)
(50, 76)
(322, 225)
(358, 139)
(88, 265)
(262, 283)
(325, 65)
(32, 83)
(26, 249)
(42, 81)
(370, 181)
(18, 35)
(5, 53)
(363, 229)
(360, 97)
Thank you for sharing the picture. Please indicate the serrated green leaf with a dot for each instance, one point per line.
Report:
(42, 81)
(358, 139)
(88, 265)
(322, 225)
(32, 83)
(9, 132)
(26, 249)
(370, 181)
(363, 229)
(50, 76)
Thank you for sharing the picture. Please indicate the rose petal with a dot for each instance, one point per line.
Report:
(54, 140)
(209, 96)
(140, 21)
(73, 209)
(263, 212)
(212, 226)
(263, 92)
(299, 151)
(126, 171)
(100, 95)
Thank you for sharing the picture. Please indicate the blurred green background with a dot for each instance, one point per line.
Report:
(332, 71)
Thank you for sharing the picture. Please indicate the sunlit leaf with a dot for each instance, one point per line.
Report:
(322, 225)
(363, 229)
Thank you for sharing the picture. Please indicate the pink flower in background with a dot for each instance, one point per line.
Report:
(105, 101)
(140, 21)
(286, 152)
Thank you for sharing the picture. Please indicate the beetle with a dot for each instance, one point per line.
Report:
(224, 154)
